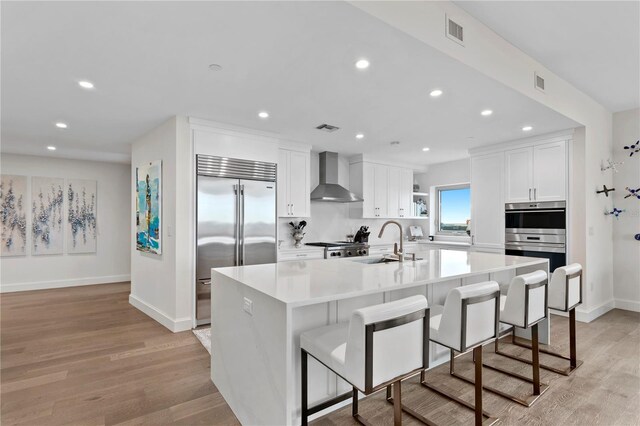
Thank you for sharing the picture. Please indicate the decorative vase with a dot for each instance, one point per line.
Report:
(298, 236)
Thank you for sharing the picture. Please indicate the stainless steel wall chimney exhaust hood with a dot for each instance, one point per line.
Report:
(328, 189)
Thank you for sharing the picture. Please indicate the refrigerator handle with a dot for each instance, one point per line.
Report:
(241, 225)
(236, 260)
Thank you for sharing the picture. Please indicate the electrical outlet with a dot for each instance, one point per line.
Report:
(248, 306)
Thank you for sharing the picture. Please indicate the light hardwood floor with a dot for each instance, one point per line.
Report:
(83, 355)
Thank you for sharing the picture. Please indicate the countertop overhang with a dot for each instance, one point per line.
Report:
(306, 282)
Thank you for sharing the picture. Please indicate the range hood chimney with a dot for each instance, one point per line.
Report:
(328, 189)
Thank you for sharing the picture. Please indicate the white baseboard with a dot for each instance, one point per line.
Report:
(43, 285)
(628, 305)
(175, 325)
(583, 315)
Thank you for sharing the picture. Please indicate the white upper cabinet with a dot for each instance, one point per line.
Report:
(536, 173)
(487, 203)
(294, 184)
(386, 190)
(380, 190)
(519, 171)
(406, 193)
(550, 172)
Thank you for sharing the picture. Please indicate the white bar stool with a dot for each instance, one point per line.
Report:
(380, 345)
(524, 306)
(468, 319)
(565, 294)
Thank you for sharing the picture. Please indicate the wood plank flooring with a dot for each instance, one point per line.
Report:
(84, 356)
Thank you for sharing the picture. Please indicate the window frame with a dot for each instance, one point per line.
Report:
(438, 223)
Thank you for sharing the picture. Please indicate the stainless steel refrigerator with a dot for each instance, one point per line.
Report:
(236, 220)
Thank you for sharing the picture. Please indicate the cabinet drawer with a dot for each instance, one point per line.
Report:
(285, 257)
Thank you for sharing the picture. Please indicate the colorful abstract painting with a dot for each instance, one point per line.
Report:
(149, 207)
(13, 193)
(47, 200)
(81, 216)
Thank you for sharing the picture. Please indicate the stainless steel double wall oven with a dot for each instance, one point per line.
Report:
(537, 229)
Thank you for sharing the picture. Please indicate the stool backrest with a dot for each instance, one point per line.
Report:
(387, 341)
(470, 315)
(565, 288)
(526, 302)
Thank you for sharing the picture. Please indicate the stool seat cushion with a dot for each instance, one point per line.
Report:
(558, 297)
(328, 345)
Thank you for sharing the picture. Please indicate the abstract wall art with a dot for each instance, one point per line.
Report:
(13, 193)
(81, 229)
(149, 207)
(47, 200)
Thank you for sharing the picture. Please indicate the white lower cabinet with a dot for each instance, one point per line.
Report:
(289, 255)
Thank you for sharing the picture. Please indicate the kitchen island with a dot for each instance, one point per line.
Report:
(259, 311)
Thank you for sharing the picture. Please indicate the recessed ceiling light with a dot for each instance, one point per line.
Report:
(425, 149)
(51, 148)
(362, 64)
(263, 114)
(435, 93)
(395, 143)
(61, 125)
(527, 128)
(85, 84)
(215, 67)
(486, 112)
(359, 136)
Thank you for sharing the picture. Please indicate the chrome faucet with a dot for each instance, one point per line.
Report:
(399, 253)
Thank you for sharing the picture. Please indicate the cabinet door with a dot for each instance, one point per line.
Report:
(283, 183)
(299, 184)
(550, 172)
(487, 205)
(368, 191)
(406, 193)
(381, 190)
(519, 175)
(393, 198)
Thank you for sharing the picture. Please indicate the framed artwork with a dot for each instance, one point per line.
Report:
(47, 200)
(81, 232)
(149, 207)
(13, 197)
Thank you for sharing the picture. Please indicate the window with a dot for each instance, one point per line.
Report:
(454, 209)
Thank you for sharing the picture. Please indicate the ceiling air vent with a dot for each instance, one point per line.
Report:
(454, 31)
(327, 128)
(538, 82)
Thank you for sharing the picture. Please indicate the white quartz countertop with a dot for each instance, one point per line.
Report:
(306, 282)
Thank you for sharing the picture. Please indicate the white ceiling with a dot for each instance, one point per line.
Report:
(149, 61)
(595, 45)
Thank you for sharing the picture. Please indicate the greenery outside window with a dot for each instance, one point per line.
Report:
(454, 209)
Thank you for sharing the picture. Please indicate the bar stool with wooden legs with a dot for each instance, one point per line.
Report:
(468, 320)
(565, 294)
(380, 345)
(524, 306)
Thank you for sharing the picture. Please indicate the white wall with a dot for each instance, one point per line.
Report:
(626, 250)
(488, 53)
(153, 277)
(110, 263)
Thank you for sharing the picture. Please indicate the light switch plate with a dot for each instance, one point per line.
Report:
(248, 306)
